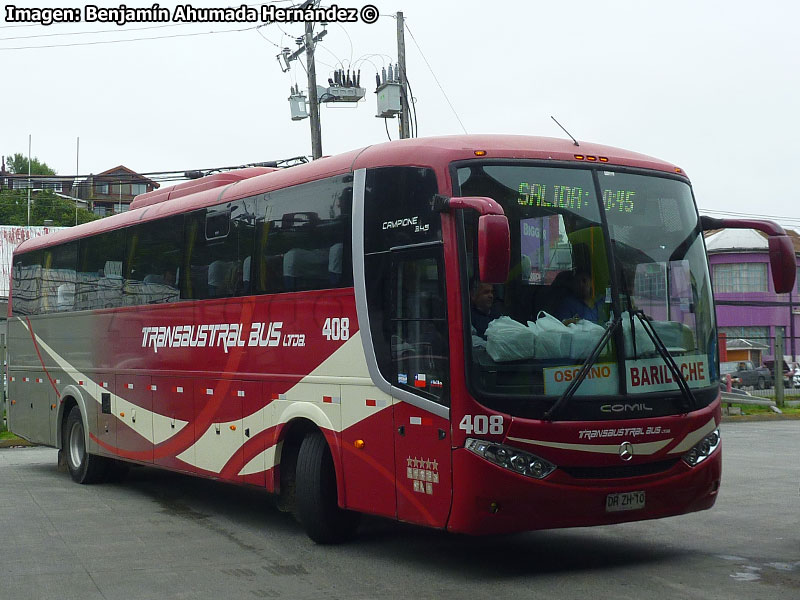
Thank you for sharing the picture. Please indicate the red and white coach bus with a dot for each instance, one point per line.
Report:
(310, 331)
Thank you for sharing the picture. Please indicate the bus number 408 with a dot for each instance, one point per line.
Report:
(482, 424)
(336, 328)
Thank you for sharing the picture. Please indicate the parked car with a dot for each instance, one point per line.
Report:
(747, 374)
(729, 368)
(791, 373)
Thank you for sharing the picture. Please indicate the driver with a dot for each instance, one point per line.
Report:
(581, 302)
(482, 307)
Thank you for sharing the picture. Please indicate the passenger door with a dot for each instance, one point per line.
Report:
(420, 358)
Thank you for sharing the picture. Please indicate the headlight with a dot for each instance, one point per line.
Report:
(703, 449)
(510, 458)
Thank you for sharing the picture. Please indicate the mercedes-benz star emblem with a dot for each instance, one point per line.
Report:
(626, 451)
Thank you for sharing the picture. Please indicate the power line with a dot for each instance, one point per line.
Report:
(20, 25)
(435, 78)
(258, 31)
(161, 37)
(99, 31)
(175, 174)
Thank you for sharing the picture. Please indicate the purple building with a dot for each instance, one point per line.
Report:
(749, 312)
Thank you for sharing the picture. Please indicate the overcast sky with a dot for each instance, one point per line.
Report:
(710, 86)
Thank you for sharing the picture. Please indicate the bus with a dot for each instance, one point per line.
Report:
(317, 331)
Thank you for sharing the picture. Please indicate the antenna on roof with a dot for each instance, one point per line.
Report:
(565, 130)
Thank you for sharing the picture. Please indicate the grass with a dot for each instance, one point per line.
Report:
(5, 435)
(749, 409)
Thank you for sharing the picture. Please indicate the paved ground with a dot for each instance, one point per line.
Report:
(160, 535)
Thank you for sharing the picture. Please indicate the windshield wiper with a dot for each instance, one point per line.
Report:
(587, 365)
(690, 402)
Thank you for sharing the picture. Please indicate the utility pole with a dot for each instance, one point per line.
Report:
(313, 100)
(29, 180)
(405, 114)
(77, 170)
(777, 370)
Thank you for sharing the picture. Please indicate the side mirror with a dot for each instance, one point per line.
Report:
(494, 248)
(494, 237)
(782, 262)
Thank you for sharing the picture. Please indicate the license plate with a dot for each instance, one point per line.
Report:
(624, 501)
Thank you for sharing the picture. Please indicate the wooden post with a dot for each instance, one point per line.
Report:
(777, 374)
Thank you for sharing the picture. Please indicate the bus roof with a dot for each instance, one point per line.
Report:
(435, 152)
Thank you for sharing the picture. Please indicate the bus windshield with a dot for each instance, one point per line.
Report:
(588, 245)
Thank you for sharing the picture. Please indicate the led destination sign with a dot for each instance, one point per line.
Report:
(619, 200)
(572, 197)
(553, 196)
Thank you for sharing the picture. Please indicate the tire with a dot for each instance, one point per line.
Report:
(762, 384)
(83, 467)
(317, 500)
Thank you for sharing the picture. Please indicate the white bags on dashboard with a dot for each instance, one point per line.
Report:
(507, 339)
(546, 338)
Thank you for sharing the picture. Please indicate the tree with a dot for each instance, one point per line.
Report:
(18, 165)
(45, 205)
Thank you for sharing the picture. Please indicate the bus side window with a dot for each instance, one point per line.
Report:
(58, 278)
(27, 280)
(154, 253)
(219, 244)
(303, 239)
(100, 271)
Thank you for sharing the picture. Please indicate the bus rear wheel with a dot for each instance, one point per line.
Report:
(83, 467)
(317, 499)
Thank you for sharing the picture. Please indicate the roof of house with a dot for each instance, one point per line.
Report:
(743, 240)
(130, 174)
(742, 344)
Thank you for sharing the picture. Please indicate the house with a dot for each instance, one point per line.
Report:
(113, 190)
(55, 183)
(749, 312)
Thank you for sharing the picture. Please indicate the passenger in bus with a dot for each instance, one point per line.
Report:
(581, 302)
(482, 308)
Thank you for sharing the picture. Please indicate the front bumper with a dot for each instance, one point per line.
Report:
(488, 499)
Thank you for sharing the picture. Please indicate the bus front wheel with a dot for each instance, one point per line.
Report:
(317, 499)
(83, 467)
